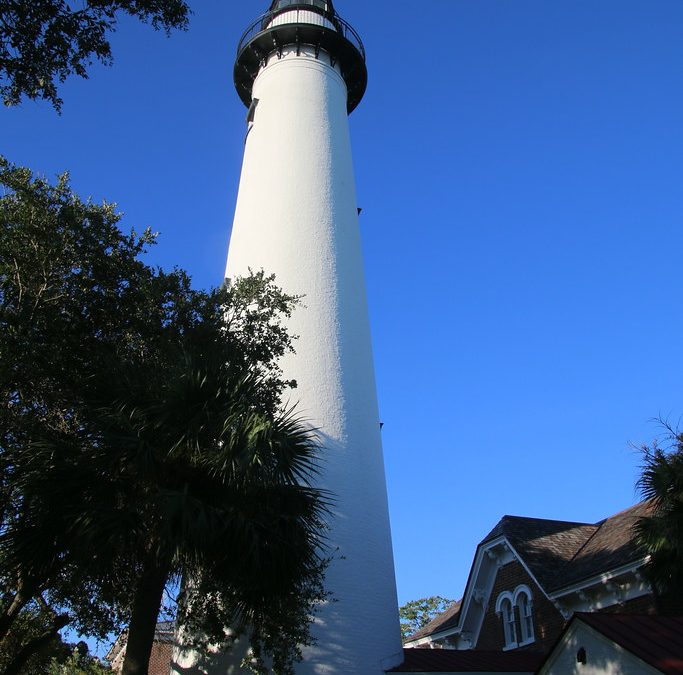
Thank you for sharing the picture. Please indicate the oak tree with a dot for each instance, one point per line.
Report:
(42, 42)
(142, 439)
(417, 614)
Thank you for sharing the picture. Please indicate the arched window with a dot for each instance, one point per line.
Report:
(505, 609)
(522, 601)
(517, 615)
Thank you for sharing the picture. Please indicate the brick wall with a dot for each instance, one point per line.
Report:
(160, 659)
(548, 622)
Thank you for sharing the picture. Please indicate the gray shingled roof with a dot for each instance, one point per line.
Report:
(612, 546)
(544, 545)
(447, 619)
(559, 553)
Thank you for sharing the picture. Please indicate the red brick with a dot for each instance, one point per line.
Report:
(548, 621)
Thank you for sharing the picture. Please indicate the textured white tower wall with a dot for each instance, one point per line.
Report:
(296, 217)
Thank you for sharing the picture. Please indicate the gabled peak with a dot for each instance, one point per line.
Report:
(520, 528)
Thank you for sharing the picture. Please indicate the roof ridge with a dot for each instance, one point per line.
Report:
(633, 507)
(552, 579)
(499, 528)
(601, 523)
(598, 527)
(548, 520)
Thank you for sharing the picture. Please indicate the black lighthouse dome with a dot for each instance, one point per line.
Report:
(302, 23)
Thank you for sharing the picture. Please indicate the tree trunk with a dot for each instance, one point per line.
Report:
(143, 621)
(30, 648)
(7, 618)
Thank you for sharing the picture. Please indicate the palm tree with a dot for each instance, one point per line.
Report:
(661, 533)
(189, 472)
(189, 469)
(223, 497)
(142, 439)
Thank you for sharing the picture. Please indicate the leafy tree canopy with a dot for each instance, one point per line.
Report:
(661, 533)
(42, 42)
(35, 643)
(417, 614)
(142, 440)
(79, 662)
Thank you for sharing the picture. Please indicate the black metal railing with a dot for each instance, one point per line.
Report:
(264, 22)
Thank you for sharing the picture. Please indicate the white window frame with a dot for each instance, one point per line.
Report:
(505, 609)
(523, 601)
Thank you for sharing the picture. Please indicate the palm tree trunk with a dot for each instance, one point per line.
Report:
(143, 621)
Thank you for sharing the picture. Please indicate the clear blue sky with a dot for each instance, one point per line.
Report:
(519, 165)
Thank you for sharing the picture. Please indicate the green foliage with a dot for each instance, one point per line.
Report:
(418, 613)
(33, 623)
(661, 533)
(72, 294)
(78, 663)
(142, 440)
(42, 42)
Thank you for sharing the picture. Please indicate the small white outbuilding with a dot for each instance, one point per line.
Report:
(618, 644)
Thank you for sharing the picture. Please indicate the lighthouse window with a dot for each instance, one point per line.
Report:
(252, 111)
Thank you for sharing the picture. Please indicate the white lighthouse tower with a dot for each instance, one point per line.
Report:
(301, 70)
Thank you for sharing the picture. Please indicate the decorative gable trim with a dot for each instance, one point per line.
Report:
(499, 552)
(604, 577)
(610, 587)
(613, 587)
(489, 558)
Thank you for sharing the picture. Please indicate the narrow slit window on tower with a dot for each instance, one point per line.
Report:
(252, 111)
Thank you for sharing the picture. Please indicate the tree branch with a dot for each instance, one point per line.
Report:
(30, 648)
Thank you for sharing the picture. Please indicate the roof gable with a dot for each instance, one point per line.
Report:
(447, 619)
(559, 554)
(556, 555)
(544, 545)
(656, 640)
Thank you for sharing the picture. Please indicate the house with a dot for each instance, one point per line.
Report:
(630, 644)
(162, 650)
(541, 595)
(530, 576)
